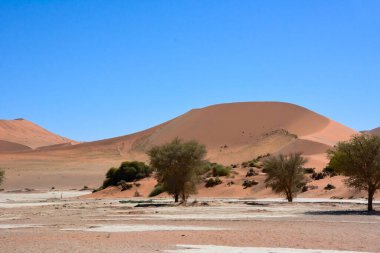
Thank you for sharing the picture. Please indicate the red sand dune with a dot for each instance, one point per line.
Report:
(375, 131)
(26, 133)
(232, 133)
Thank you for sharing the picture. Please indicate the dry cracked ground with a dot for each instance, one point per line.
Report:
(60, 222)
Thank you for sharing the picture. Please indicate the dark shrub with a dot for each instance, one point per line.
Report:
(128, 172)
(329, 187)
(230, 183)
(219, 170)
(318, 176)
(211, 182)
(309, 170)
(249, 183)
(214, 169)
(251, 173)
(157, 190)
(330, 171)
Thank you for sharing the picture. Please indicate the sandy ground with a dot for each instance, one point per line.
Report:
(45, 222)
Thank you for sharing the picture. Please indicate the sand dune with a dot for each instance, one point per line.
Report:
(26, 133)
(375, 131)
(7, 146)
(232, 133)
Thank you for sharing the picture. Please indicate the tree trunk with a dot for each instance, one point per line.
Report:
(289, 196)
(176, 197)
(370, 200)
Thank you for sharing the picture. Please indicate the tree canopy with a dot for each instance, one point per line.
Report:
(285, 174)
(177, 165)
(359, 160)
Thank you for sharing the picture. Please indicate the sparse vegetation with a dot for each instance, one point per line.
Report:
(285, 174)
(329, 187)
(211, 182)
(318, 175)
(330, 171)
(157, 190)
(256, 162)
(214, 169)
(177, 164)
(309, 170)
(219, 170)
(2, 173)
(251, 173)
(359, 160)
(249, 183)
(128, 172)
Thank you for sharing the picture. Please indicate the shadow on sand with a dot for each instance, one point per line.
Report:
(344, 212)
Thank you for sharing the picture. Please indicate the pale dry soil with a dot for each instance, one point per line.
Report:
(49, 223)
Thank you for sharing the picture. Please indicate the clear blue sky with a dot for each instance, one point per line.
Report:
(89, 70)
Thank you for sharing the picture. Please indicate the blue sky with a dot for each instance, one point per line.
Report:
(89, 70)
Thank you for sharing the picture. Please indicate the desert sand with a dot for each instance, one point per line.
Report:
(232, 133)
(43, 222)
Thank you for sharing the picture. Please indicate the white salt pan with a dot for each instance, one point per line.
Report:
(227, 249)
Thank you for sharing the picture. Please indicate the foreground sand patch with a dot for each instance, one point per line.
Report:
(227, 249)
(140, 228)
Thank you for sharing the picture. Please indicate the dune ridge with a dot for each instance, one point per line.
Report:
(26, 133)
(232, 133)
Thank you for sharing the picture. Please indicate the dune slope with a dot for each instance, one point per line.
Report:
(26, 133)
(232, 133)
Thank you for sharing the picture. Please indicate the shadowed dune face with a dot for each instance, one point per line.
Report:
(7, 146)
(375, 131)
(232, 133)
(27, 134)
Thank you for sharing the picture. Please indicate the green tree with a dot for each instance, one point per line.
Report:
(285, 174)
(177, 165)
(359, 160)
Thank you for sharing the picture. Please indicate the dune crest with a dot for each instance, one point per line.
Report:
(232, 133)
(26, 133)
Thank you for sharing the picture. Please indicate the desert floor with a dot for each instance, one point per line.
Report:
(45, 222)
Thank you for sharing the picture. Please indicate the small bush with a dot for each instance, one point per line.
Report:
(214, 169)
(329, 187)
(220, 171)
(230, 183)
(318, 176)
(305, 188)
(256, 162)
(157, 190)
(128, 172)
(249, 183)
(309, 170)
(251, 173)
(330, 171)
(211, 182)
